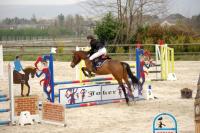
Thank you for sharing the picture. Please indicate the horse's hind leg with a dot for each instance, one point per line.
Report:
(123, 89)
(129, 87)
(119, 77)
(125, 94)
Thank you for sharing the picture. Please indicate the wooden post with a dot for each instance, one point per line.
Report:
(197, 108)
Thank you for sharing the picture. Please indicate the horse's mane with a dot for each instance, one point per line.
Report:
(82, 54)
(29, 67)
(81, 51)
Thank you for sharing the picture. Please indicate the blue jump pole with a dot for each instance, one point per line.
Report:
(138, 53)
(4, 122)
(3, 96)
(52, 76)
(138, 62)
(3, 99)
(4, 110)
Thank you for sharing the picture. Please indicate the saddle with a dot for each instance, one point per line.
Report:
(99, 61)
(18, 78)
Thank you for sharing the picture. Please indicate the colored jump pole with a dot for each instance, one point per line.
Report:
(52, 76)
(94, 103)
(2, 96)
(4, 99)
(138, 63)
(4, 122)
(138, 53)
(83, 81)
(4, 110)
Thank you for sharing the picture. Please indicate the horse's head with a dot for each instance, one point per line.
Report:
(77, 57)
(33, 72)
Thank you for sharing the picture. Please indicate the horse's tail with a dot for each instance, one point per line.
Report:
(134, 79)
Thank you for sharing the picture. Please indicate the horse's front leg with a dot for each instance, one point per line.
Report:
(28, 88)
(22, 81)
(22, 89)
(84, 71)
(87, 72)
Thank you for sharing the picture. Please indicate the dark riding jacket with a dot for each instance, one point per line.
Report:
(95, 46)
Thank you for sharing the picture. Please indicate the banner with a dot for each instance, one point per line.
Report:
(79, 94)
(84, 94)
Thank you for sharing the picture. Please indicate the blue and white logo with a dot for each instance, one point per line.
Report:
(165, 123)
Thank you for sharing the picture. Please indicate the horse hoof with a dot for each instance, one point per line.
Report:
(92, 75)
(128, 103)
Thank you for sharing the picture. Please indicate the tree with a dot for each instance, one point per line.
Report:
(130, 13)
(33, 19)
(79, 23)
(69, 22)
(107, 28)
(7, 21)
(61, 19)
(16, 20)
(195, 22)
(53, 32)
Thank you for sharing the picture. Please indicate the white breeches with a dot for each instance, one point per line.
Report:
(100, 52)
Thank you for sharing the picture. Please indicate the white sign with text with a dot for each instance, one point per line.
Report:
(91, 93)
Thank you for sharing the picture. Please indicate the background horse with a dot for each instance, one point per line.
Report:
(23, 79)
(120, 71)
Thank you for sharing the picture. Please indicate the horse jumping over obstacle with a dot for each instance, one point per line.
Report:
(120, 71)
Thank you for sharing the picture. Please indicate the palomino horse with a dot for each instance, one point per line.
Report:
(22, 79)
(120, 71)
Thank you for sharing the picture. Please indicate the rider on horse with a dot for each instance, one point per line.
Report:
(18, 67)
(18, 71)
(97, 49)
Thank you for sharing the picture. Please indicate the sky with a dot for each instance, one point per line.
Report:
(187, 8)
(39, 2)
(51, 8)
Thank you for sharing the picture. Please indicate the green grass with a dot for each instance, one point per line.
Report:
(187, 57)
(58, 57)
(34, 57)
